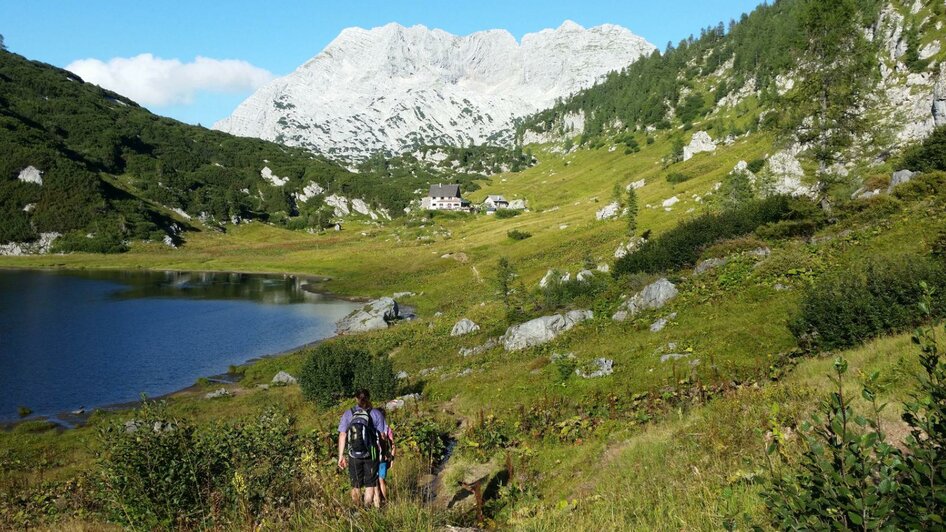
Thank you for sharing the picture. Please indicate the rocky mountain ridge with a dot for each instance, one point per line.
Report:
(394, 88)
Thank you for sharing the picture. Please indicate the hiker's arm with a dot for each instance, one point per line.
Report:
(342, 437)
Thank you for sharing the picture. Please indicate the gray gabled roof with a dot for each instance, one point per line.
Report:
(444, 191)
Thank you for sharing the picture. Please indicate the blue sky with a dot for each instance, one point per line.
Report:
(275, 37)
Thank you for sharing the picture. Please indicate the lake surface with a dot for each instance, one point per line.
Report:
(89, 339)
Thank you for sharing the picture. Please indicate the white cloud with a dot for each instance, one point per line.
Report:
(150, 80)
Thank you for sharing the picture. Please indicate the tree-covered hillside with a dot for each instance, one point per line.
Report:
(110, 171)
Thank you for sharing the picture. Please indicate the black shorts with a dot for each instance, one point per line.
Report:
(363, 472)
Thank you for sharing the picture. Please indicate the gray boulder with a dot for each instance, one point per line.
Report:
(464, 326)
(216, 394)
(480, 349)
(584, 276)
(542, 330)
(653, 296)
(600, 367)
(708, 264)
(283, 379)
(373, 316)
(659, 325)
(400, 402)
(900, 177)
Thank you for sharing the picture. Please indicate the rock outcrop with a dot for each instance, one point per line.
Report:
(700, 143)
(609, 211)
(599, 367)
(463, 327)
(542, 330)
(283, 379)
(374, 316)
(653, 296)
(900, 177)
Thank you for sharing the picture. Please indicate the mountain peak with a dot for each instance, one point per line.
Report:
(391, 88)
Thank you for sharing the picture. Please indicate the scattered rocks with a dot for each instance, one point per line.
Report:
(428, 371)
(659, 325)
(670, 202)
(463, 327)
(610, 211)
(699, 143)
(584, 276)
(673, 356)
(900, 177)
(600, 367)
(653, 296)
(480, 349)
(216, 394)
(401, 295)
(708, 264)
(542, 330)
(283, 379)
(547, 278)
(39, 247)
(604, 268)
(400, 402)
(401, 375)
(374, 316)
(636, 185)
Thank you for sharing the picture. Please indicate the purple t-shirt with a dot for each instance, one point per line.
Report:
(376, 417)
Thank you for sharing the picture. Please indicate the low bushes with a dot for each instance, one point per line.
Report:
(677, 177)
(158, 472)
(850, 306)
(334, 371)
(516, 234)
(504, 214)
(681, 246)
(929, 155)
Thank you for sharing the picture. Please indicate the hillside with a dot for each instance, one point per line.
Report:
(79, 160)
(696, 311)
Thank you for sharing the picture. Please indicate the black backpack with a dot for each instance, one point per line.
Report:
(362, 436)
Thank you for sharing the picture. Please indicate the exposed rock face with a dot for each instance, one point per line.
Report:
(584, 276)
(40, 247)
(600, 367)
(480, 349)
(31, 174)
(542, 330)
(653, 296)
(283, 378)
(391, 88)
(700, 143)
(636, 185)
(373, 316)
(272, 178)
(609, 211)
(788, 173)
(310, 191)
(464, 326)
(939, 102)
(670, 202)
(547, 278)
(217, 394)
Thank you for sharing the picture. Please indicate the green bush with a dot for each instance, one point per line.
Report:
(681, 246)
(930, 155)
(677, 177)
(848, 475)
(854, 305)
(333, 371)
(516, 234)
(160, 472)
(923, 186)
(787, 229)
(755, 165)
(503, 214)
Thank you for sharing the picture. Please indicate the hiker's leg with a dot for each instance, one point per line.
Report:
(356, 496)
(371, 497)
(383, 488)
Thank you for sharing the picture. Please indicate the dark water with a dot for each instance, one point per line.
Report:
(73, 339)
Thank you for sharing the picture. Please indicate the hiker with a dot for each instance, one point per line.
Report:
(387, 456)
(358, 431)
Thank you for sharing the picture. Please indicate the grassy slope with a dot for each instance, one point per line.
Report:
(670, 474)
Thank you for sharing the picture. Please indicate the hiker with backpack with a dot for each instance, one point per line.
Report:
(358, 431)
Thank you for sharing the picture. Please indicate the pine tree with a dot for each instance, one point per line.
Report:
(836, 71)
(631, 207)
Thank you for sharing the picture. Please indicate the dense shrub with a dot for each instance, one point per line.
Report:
(929, 155)
(161, 472)
(922, 187)
(516, 234)
(787, 229)
(557, 294)
(681, 246)
(869, 210)
(851, 306)
(755, 165)
(503, 214)
(732, 246)
(849, 476)
(334, 371)
(677, 177)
